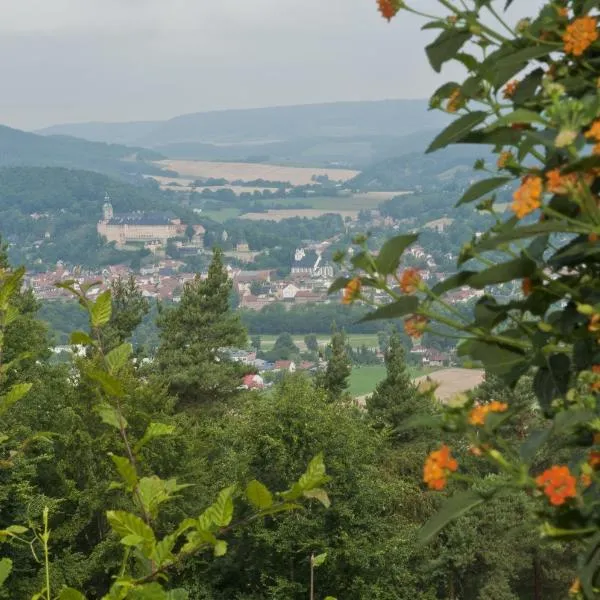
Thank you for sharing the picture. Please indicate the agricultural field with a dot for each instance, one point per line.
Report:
(280, 214)
(356, 340)
(364, 379)
(250, 171)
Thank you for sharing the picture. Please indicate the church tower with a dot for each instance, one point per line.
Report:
(107, 209)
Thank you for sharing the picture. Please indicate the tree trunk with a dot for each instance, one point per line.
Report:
(537, 578)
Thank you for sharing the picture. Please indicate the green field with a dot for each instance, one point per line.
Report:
(363, 380)
(356, 340)
(221, 215)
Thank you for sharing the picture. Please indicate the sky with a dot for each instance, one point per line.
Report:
(134, 60)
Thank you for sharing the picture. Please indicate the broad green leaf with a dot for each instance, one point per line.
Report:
(148, 591)
(389, 256)
(220, 548)
(314, 475)
(560, 369)
(80, 338)
(5, 569)
(508, 271)
(453, 508)
(110, 415)
(178, 594)
(528, 86)
(222, 510)
(445, 47)
(101, 310)
(319, 494)
(521, 115)
(70, 594)
(319, 560)
(399, 308)
(110, 384)
(457, 130)
(14, 394)
(567, 420)
(10, 286)
(163, 551)
(17, 529)
(153, 491)
(153, 431)
(535, 440)
(481, 188)
(126, 524)
(117, 358)
(500, 360)
(284, 507)
(126, 470)
(451, 283)
(259, 495)
(525, 55)
(339, 284)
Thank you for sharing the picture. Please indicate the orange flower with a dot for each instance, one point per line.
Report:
(596, 384)
(585, 480)
(558, 483)
(413, 326)
(410, 280)
(593, 133)
(527, 286)
(575, 588)
(438, 465)
(593, 238)
(594, 459)
(455, 101)
(594, 324)
(510, 89)
(351, 291)
(556, 183)
(504, 159)
(580, 35)
(479, 412)
(528, 197)
(562, 11)
(388, 8)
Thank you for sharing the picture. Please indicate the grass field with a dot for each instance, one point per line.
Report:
(356, 340)
(364, 380)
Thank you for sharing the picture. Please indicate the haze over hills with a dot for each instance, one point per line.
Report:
(350, 133)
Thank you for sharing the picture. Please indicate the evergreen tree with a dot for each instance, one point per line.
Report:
(334, 380)
(194, 335)
(395, 398)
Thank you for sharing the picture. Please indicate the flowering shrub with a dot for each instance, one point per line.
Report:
(532, 96)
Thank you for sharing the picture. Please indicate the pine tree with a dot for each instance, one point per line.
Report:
(334, 380)
(395, 398)
(193, 337)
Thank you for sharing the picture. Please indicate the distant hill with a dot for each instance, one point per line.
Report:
(350, 134)
(19, 148)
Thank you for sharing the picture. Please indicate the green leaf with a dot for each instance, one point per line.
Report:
(500, 360)
(163, 551)
(528, 86)
(454, 507)
(457, 130)
(110, 415)
(80, 338)
(147, 591)
(126, 470)
(521, 115)
(14, 394)
(454, 281)
(153, 431)
(508, 271)
(535, 440)
(259, 495)
(110, 384)
(314, 475)
(129, 527)
(445, 47)
(318, 494)
(221, 511)
(319, 560)
(481, 188)
(389, 256)
(220, 548)
(525, 55)
(70, 594)
(101, 310)
(560, 369)
(5, 569)
(339, 284)
(399, 308)
(117, 357)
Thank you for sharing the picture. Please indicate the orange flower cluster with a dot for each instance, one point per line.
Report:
(528, 197)
(479, 413)
(558, 484)
(527, 286)
(594, 324)
(504, 159)
(437, 467)
(580, 35)
(387, 8)
(594, 459)
(413, 326)
(510, 89)
(351, 291)
(593, 133)
(410, 280)
(560, 184)
(596, 384)
(455, 101)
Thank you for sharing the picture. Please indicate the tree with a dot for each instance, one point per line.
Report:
(194, 335)
(334, 380)
(284, 348)
(256, 342)
(312, 343)
(189, 232)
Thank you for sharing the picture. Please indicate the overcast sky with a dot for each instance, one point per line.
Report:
(123, 60)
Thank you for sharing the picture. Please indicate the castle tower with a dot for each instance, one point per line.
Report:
(107, 208)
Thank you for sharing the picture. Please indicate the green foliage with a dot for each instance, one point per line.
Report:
(334, 379)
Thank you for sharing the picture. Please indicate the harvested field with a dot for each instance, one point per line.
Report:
(289, 213)
(250, 171)
(454, 381)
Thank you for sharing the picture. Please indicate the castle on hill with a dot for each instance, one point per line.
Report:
(151, 229)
